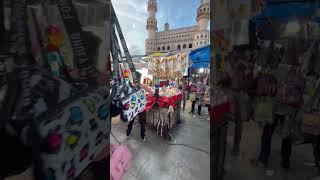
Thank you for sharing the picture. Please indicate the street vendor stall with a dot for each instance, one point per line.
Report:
(163, 106)
(170, 66)
(163, 111)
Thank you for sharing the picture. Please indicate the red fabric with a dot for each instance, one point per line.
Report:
(163, 83)
(218, 111)
(163, 101)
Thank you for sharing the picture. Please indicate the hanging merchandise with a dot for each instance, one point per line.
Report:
(220, 105)
(206, 98)
(241, 10)
(54, 19)
(263, 111)
(131, 101)
(169, 67)
(238, 80)
(265, 56)
(240, 33)
(291, 91)
(269, 29)
(185, 63)
(86, 69)
(267, 85)
(222, 41)
(310, 93)
(36, 44)
(65, 124)
(221, 14)
(304, 59)
(53, 44)
(257, 6)
(127, 72)
(252, 34)
(316, 97)
(290, 55)
(177, 66)
(19, 42)
(162, 68)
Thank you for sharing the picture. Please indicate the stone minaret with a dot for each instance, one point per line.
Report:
(166, 26)
(151, 27)
(203, 15)
(201, 38)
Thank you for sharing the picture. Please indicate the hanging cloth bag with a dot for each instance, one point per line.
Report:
(131, 101)
(65, 130)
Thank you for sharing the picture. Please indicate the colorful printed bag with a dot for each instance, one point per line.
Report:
(129, 99)
(66, 125)
(133, 104)
(74, 135)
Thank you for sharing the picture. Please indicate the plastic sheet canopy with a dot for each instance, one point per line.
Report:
(200, 58)
(287, 11)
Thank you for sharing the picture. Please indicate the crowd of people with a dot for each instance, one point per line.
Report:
(197, 91)
(268, 86)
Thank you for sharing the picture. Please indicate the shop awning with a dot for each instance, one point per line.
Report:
(156, 55)
(277, 13)
(200, 58)
(171, 53)
(285, 11)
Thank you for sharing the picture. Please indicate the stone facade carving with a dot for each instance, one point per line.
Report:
(185, 38)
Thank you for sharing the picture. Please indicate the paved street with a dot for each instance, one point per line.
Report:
(241, 168)
(156, 159)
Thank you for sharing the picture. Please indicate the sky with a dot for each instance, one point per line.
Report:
(132, 15)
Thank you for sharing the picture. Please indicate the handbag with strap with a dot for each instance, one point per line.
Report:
(66, 124)
(130, 100)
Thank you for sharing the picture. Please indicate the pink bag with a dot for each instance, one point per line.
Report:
(119, 161)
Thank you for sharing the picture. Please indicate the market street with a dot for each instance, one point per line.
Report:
(156, 159)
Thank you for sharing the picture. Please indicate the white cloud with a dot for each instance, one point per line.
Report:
(132, 15)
